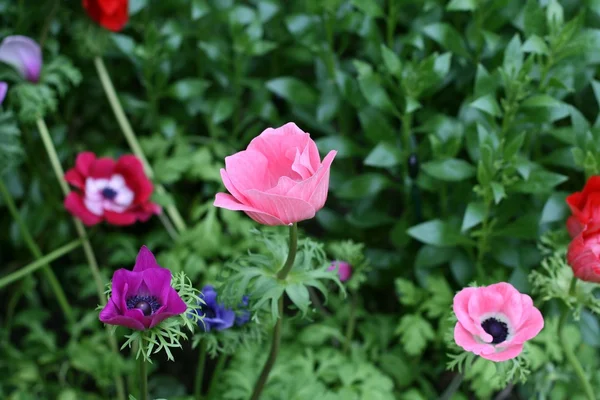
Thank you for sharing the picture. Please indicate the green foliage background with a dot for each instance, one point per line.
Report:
(498, 100)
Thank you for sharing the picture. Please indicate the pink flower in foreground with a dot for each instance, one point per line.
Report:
(494, 321)
(584, 256)
(23, 54)
(117, 192)
(343, 268)
(279, 179)
(142, 298)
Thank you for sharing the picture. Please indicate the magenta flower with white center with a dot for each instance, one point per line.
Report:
(23, 54)
(3, 90)
(142, 298)
(494, 321)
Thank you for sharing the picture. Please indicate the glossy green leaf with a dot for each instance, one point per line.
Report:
(462, 5)
(448, 37)
(450, 170)
(384, 155)
(487, 104)
(437, 233)
(474, 214)
(369, 7)
(363, 186)
(293, 90)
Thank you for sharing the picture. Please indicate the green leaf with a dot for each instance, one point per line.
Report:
(447, 37)
(498, 192)
(555, 209)
(474, 214)
(370, 87)
(391, 61)
(369, 7)
(223, 110)
(415, 332)
(540, 181)
(450, 170)
(11, 152)
(363, 186)
(186, 89)
(298, 294)
(484, 83)
(462, 5)
(513, 56)
(342, 144)
(437, 233)
(487, 104)
(433, 256)
(541, 100)
(293, 90)
(384, 155)
(408, 293)
(536, 45)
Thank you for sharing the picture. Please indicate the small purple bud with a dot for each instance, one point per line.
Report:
(23, 54)
(3, 90)
(343, 268)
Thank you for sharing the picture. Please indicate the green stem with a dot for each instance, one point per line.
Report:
(351, 324)
(571, 357)
(143, 379)
(216, 375)
(87, 247)
(37, 253)
(41, 262)
(281, 275)
(391, 23)
(482, 244)
(289, 263)
(131, 138)
(200, 372)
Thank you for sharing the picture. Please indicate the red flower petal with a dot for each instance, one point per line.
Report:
(74, 204)
(110, 14)
(131, 168)
(102, 168)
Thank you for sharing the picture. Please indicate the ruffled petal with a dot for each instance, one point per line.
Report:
(249, 169)
(132, 170)
(504, 354)
(467, 341)
(530, 327)
(286, 209)
(110, 316)
(73, 177)
(74, 204)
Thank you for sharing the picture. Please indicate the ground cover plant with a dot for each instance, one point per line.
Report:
(319, 199)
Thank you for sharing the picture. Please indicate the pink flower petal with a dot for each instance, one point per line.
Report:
(248, 169)
(461, 310)
(231, 187)
(286, 209)
(145, 260)
(74, 204)
(466, 340)
(530, 327)
(224, 200)
(504, 354)
(110, 315)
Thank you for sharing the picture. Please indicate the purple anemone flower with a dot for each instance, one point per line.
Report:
(216, 315)
(344, 269)
(23, 54)
(3, 90)
(142, 298)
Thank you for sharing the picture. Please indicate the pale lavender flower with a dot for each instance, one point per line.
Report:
(23, 54)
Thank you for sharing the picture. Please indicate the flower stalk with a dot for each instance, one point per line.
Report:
(569, 354)
(281, 275)
(61, 298)
(200, 372)
(87, 247)
(143, 379)
(133, 142)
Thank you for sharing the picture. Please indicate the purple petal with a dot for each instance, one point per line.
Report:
(110, 315)
(157, 282)
(174, 306)
(24, 54)
(125, 283)
(3, 90)
(145, 260)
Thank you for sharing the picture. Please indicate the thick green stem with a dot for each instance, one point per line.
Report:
(61, 298)
(281, 275)
(289, 263)
(571, 357)
(143, 379)
(87, 247)
(351, 323)
(214, 380)
(131, 138)
(41, 262)
(200, 372)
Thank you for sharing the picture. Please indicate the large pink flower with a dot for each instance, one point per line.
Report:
(584, 256)
(494, 321)
(115, 191)
(142, 298)
(279, 179)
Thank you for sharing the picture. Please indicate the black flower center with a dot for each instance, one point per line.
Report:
(109, 193)
(207, 312)
(498, 329)
(147, 304)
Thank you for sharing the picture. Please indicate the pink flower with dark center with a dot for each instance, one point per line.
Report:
(142, 298)
(23, 54)
(344, 269)
(117, 192)
(279, 179)
(494, 321)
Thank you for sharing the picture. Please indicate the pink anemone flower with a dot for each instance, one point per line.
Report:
(494, 321)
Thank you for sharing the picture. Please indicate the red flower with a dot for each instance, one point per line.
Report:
(584, 256)
(117, 192)
(111, 14)
(585, 206)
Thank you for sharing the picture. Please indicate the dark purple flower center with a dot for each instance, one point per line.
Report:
(109, 193)
(147, 304)
(207, 312)
(498, 329)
